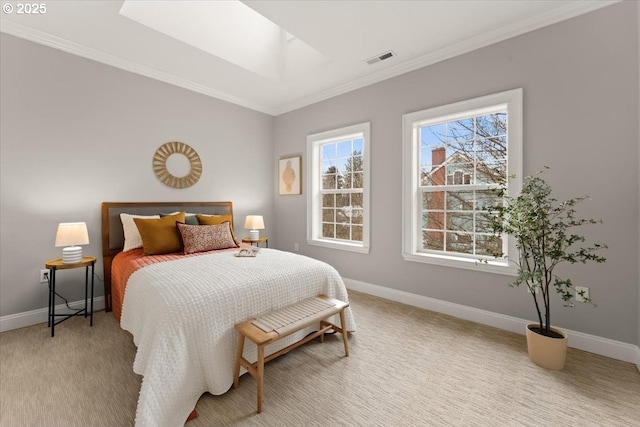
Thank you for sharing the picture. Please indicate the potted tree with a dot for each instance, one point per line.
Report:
(544, 231)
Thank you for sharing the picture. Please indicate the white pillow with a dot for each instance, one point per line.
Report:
(132, 239)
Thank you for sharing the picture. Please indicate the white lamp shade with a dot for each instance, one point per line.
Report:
(255, 223)
(70, 235)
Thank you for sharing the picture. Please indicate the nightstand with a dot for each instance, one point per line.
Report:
(56, 264)
(257, 242)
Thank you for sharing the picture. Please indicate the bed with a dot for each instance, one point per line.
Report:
(181, 309)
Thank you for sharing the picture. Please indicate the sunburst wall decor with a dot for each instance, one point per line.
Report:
(160, 164)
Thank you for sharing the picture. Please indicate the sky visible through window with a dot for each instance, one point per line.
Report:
(338, 153)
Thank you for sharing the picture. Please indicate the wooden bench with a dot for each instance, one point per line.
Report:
(281, 323)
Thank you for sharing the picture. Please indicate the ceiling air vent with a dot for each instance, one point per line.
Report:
(381, 57)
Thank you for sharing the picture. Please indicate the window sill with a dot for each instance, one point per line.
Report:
(496, 267)
(343, 246)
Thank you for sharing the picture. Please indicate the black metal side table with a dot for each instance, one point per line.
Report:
(56, 264)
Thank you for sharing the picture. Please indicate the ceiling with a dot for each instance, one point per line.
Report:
(311, 50)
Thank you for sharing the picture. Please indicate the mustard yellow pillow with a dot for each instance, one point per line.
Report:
(160, 236)
(217, 220)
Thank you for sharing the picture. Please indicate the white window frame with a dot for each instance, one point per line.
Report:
(411, 200)
(314, 196)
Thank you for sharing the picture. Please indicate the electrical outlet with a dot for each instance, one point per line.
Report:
(44, 276)
(296, 247)
(582, 294)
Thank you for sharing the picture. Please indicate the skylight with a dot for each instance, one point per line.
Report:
(229, 30)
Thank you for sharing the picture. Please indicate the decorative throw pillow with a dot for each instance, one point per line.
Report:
(215, 220)
(189, 218)
(160, 236)
(132, 239)
(202, 238)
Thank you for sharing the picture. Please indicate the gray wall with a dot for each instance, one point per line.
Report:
(638, 33)
(580, 81)
(75, 133)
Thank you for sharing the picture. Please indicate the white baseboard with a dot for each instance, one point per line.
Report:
(33, 317)
(603, 346)
(581, 341)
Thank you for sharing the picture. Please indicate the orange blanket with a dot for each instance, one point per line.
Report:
(126, 263)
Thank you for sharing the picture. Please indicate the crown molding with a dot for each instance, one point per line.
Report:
(569, 10)
(18, 30)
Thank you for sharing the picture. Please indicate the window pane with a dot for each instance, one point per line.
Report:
(356, 200)
(343, 232)
(348, 212)
(328, 215)
(347, 177)
(460, 200)
(486, 199)
(457, 171)
(433, 220)
(355, 164)
(356, 216)
(460, 243)
(492, 173)
(484, 222)
(342, 216)
(491, 149)
(357, 145)
(327, 231)
(488, 245)
(329, 166)
(432, 135)
(433, 200)
(458, 221)
(460, 130)
(358, 181)
(328, 200)
(329, 182)
(344, 149)
(433, 240)
(328, 151)
(342, 199)
(492, 124)
(356, 233)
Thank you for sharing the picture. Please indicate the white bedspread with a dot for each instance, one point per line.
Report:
(181, 314)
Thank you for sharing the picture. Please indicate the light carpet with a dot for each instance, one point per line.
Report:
(408, 367)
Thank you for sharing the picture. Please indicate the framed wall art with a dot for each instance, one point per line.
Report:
(289, 177)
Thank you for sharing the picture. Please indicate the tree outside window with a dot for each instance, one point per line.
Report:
(454, 157)
(338, 200)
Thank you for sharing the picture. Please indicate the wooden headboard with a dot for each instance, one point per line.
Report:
(113, 235)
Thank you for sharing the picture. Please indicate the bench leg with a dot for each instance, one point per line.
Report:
(260, 378)
(236, 374)
(344, 333)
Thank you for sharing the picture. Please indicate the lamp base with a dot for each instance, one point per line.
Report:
(72, 255)
(254, 234)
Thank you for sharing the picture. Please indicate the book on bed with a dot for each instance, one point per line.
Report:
(248, 252)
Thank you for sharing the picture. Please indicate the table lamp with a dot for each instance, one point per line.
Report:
(255, 223)
(70, 235)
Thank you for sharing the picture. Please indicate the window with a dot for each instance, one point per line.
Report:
(338, 200)
(454, 156)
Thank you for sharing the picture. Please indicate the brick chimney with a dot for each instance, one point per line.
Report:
(438, 156)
